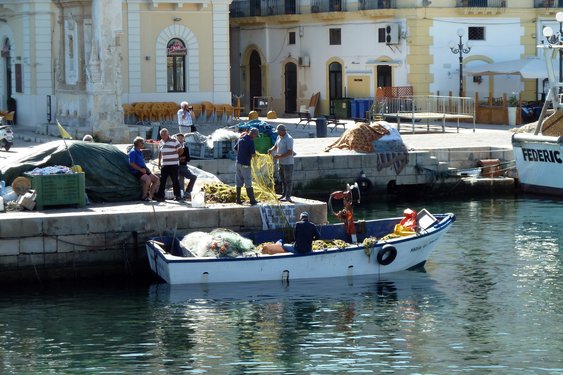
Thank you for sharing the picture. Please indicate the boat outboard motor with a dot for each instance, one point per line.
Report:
(346, 215)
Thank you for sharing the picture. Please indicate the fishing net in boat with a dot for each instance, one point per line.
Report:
(221, 243)
(553, 125)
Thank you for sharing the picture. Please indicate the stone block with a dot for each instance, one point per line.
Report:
(230, 217)
(67, 225)
(307, 163)
(35, 245)
(8, 261)
(9, 247)
(31, 260)
(81, 242)
(20, 226)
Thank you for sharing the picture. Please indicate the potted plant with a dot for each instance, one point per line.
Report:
(513, 100)
(512, 106)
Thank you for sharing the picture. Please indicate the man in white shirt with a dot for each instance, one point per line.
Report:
(185, 118)
(282, 151)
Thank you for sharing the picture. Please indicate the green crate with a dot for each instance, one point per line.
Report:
(59, 189)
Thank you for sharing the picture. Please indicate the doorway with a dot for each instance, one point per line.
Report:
(290, 88)
(254, 77)
(335, 83)
(384, 77)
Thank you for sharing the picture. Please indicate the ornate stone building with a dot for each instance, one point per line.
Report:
(80, 61)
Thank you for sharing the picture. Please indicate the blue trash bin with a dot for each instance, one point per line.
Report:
(354, 108)
(321, 127)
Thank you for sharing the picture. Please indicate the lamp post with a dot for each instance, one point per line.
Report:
(461, 50)
(556, 39)
(559, 18)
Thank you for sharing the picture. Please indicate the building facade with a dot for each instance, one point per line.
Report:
(288, 50)
(79, 61)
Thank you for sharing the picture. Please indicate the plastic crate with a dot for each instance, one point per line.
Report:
(263, 143)
(59, 189)
(222, 149)
(200, 150)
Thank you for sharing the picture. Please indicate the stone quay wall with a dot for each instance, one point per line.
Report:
(109, 239)
(315, 175)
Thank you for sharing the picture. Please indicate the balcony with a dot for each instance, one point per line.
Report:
(481, 4)
(377, 4)
(548, 4)
(324, 6)
(257, 8)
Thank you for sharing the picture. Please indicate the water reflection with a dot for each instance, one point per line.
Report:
(489, 302)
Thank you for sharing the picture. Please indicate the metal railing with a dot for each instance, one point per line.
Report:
(323, 6)
(250, 8)
(430, 104)
(377, 4)
(548, 4)
(481, 3)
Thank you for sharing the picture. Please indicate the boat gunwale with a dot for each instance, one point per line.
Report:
(444, 223)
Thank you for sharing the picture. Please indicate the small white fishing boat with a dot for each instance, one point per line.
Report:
(539, 156)
(175, 264)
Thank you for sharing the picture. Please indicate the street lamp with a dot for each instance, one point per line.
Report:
(461, 49)
(556, 39)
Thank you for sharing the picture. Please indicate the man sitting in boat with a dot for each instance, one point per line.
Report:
(304, 233)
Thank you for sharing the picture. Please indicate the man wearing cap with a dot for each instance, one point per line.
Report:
(304, 233)
(282, 151)
(185, 119)
(245, 151)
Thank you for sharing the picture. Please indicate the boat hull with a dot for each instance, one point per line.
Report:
(539, 161)
(411, 252)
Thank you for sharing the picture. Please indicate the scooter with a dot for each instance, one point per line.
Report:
(6, 137)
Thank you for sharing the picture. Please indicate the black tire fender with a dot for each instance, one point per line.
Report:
(386, 255)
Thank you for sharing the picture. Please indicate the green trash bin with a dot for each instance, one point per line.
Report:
(342, 107)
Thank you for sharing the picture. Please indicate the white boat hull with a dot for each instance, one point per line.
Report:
(412, 251)
(539, 161)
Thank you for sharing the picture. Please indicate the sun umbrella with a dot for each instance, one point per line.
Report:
(528, 68)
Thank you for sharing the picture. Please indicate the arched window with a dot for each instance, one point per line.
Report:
(176, 63)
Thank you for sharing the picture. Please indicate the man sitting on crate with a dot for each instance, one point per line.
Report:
(183, 169)
(140, 170)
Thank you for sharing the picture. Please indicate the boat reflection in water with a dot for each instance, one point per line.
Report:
(399, 285)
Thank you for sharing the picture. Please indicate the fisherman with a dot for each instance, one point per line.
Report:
(304, 232)
(282, 152)
(245, 151)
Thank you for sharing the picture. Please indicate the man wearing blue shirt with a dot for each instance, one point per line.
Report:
(140, 170)
(245, 151)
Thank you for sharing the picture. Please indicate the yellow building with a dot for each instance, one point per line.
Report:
(80, 61)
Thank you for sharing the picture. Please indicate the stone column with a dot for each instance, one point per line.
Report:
(103, 71)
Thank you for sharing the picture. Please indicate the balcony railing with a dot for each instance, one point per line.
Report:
(257, 8)
(548, 3)
(322, 6)
(481, 4)
(378, 4)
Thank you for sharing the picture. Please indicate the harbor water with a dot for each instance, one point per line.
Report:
(489, 302)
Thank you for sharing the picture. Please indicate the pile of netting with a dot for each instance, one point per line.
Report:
(219, 243)
(262, 181)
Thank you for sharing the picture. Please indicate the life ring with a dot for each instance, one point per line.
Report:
(386, 255)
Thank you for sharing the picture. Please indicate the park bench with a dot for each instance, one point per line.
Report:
(333, 120)
(304, 117)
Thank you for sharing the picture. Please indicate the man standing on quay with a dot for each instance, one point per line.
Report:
(168, 158)
(283, 152)
(245, 151)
